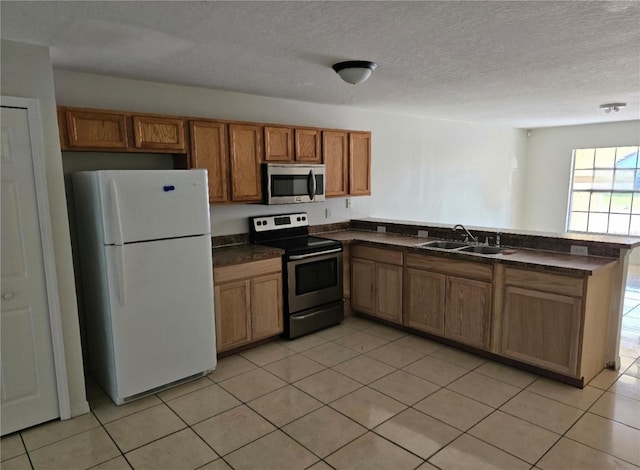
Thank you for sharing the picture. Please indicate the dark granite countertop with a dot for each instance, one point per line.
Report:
(518, 257)
(610, 240)
(244, 253)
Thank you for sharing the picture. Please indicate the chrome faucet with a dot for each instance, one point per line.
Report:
(467, 235)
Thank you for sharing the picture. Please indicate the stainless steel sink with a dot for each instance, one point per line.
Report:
(444, 244)
(482, 249)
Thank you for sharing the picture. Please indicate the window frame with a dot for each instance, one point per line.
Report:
(611, 191)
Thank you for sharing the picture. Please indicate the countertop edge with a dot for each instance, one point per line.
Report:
(409, 242)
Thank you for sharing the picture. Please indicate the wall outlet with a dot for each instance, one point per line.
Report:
(347, 203)
(382, 228)
(327, 213)
(579, 250)
(423, 233)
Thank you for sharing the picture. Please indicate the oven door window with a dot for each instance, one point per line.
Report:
(294, 185)
(314, 276)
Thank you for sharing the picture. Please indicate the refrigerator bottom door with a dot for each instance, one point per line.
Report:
(162, 315)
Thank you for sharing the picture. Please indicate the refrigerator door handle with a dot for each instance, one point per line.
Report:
(122, 284)
(117, 220)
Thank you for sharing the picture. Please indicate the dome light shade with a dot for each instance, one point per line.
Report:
(355, 71)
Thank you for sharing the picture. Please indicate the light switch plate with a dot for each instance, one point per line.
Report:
(423, 233)
(382, 228)
(579, 250)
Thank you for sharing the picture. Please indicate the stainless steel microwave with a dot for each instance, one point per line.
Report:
(292, 183)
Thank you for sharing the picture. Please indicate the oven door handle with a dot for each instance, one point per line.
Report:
(311, 255)
(311, 184)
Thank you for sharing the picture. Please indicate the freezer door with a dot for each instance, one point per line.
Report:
(161, 298)
(140, 205)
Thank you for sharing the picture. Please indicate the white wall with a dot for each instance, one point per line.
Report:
(26, 72)
(548, 168)
(422, 169)
(449, 172)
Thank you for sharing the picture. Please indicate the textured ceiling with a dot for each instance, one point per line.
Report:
(517, 63)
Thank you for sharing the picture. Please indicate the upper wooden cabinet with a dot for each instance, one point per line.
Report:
(210, 150)
(347, 157)
(156, 133)
(360, 163)
(245, 155)
(335, 148)
(94, 129)
(307, 145)
(278, 144)
(231, 151)
(289, 145)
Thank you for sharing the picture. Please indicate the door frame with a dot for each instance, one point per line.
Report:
(32, 106)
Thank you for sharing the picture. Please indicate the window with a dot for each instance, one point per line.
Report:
(605, 191)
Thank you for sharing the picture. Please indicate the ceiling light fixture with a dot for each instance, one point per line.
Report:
(355, 71)
(608, 107)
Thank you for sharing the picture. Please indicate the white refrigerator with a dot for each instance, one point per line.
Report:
(147, 278)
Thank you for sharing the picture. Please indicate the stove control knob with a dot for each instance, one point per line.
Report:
(299, 219)
(304, 218)
(259, 222)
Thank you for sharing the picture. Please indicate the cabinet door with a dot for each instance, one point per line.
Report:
(209, 150)
(233, 320)
(89, 129)
(278, 144)
(424, 301)
(245, 154)
(266, 306)
(467, 316)
(307, 145)
(542, 329)
(335, 155)
(159, 133)
(360, 163)
(389, 292)
(363, 277)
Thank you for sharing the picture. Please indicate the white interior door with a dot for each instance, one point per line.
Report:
(28, 383)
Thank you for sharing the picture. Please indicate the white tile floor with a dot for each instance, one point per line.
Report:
(357, 396)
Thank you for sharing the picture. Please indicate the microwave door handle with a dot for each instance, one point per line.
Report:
(311, 184)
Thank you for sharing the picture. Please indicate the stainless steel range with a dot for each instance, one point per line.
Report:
(312, 269)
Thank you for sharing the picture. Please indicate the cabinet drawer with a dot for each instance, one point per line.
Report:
(377, 254)
(466, 269)
(546, 282)
(246, 270)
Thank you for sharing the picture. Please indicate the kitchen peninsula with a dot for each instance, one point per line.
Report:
(534, 304)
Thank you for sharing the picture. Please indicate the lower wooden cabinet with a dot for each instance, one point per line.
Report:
(542, 329)
(449, 298)
(424, 301)
(376, 282)
(363, 285)
(548, 319)
(467, 313)
(248, 303)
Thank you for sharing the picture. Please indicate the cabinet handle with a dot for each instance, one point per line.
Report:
(7, 296)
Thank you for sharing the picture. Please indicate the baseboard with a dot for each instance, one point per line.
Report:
(81, 408)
